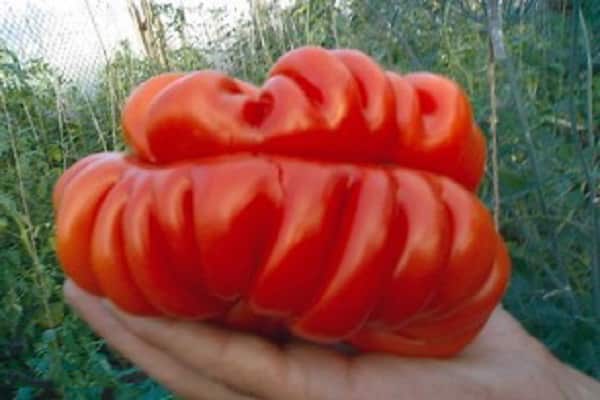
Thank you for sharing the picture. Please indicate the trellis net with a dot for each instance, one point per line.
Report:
(76, 37)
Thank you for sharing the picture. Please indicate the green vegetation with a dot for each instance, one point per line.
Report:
(548, 166)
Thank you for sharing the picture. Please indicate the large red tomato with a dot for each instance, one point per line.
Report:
(334, 202)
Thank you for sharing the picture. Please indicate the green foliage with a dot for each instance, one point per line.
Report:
(548, 216)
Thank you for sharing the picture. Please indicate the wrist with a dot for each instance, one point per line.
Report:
(574, 384)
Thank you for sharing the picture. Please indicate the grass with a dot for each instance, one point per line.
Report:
(547, 164)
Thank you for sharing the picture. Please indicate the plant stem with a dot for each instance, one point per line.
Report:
(493, 125)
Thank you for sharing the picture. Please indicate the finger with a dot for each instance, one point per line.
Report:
(166, 370)
(246, 362)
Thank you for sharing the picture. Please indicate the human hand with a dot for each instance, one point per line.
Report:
(201, 361)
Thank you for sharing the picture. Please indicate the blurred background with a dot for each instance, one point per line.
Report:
(530, 67)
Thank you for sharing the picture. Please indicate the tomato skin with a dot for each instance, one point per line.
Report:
(236, 212)
(77, 208)
(420, 267)
(316, 103)
(362, 255)
(334, 202)
(444, 139)
(136, 109)
(329, 251)
(108, 261)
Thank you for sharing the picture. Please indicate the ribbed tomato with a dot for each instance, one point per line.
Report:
(335, 202)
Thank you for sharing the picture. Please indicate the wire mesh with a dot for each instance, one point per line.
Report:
(73, 36)
(76, 37)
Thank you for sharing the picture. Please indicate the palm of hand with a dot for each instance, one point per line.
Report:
(198, 361)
